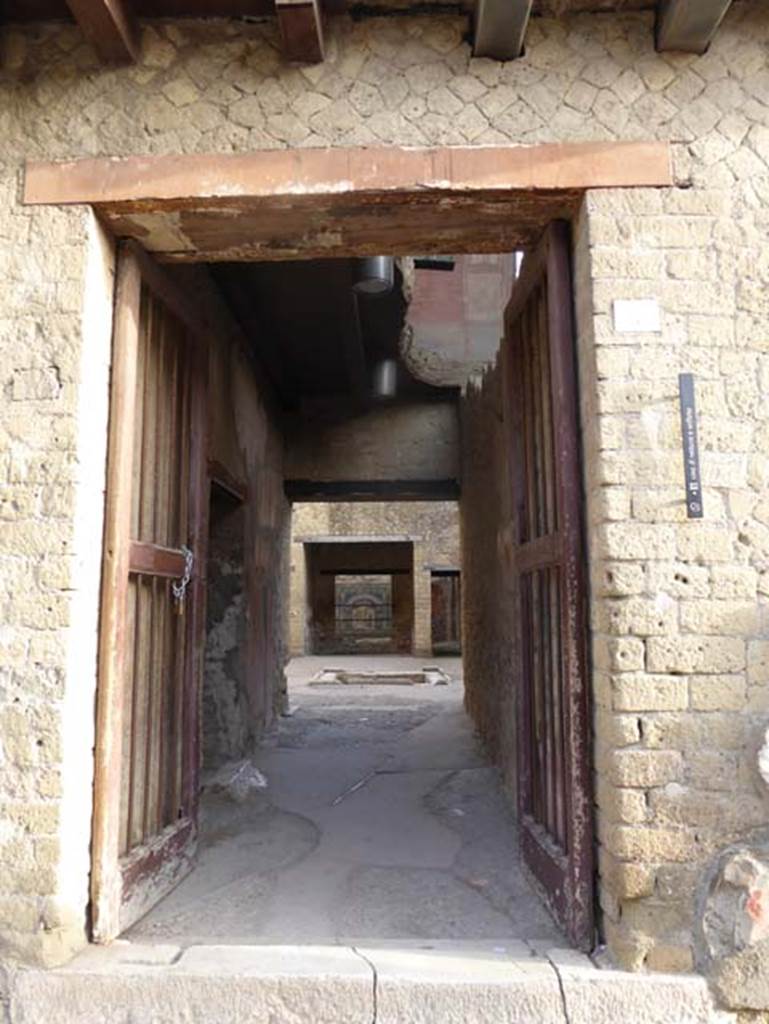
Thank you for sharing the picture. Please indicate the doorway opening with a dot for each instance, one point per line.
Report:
(446, 611)
(346, 811)
(360, 597)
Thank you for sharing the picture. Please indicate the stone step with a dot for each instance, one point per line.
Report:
(367, 983)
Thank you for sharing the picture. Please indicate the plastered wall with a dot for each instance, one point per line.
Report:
(680, 662)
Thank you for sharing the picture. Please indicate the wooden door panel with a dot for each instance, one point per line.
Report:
(546, 556)
(145, 817)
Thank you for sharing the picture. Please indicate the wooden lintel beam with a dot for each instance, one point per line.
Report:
(500, 28)
(301, 30)
(110, 26)
(689, 25)
(372, 490)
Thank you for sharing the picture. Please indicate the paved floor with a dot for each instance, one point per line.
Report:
(381, 820)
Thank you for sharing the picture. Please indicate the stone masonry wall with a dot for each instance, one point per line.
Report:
(681, 669)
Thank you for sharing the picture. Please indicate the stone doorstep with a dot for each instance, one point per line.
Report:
(442, 982)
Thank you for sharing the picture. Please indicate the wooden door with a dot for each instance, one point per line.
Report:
(548, 564)
(152, 616)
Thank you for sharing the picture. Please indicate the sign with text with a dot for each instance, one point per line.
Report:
(691, 447)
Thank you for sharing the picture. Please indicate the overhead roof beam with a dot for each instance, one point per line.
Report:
(689, 25)
(110, 26)
(500, 28)
(301, 30)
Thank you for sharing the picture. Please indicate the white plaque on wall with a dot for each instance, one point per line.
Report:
(637, 316)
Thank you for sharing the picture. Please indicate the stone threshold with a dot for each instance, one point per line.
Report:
(441, 982)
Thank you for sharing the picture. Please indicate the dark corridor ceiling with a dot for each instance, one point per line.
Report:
(317, 342)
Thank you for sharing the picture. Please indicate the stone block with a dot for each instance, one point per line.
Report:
(695, 654)
(640, 769)
(717, 692)
(640, 691)
(421, 986)
(227, 984)
(650, 844)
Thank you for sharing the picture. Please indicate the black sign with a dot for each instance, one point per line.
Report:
(691, 446)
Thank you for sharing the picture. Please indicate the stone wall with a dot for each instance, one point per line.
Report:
(488, 600)
(410, 441)
(432, 527)
(681, 683)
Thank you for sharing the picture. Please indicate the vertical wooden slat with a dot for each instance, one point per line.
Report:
(127, 724)
(160, 536)
(536, 328)
(559, 763)
(140, 731)
(105, 875)
(528, 439)
(576, 717)
(196, 616)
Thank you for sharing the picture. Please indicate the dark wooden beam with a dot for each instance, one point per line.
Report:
(689, 25)
(301, 30)
(499, 28)
(110, 26)
(372, 490)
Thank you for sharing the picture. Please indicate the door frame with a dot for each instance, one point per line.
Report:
(458, 180)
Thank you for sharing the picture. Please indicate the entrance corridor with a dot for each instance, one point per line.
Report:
(381, 820)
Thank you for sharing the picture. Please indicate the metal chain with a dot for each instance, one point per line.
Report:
(179, 589)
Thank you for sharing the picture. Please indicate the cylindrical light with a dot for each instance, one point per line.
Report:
(374, 275)
(385, 378)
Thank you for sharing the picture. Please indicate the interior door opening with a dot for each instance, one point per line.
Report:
(373, 411)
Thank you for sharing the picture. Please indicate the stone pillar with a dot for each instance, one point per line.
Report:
(422, 604)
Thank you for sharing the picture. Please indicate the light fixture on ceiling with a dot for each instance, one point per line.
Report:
(374, 275)
(385, 378)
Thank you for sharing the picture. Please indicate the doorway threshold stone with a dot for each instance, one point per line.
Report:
(390, 982)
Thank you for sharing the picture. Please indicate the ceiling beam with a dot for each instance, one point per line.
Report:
(109, 25)
(500, 28)
(689, 25)
(371, 490)
(301, 30)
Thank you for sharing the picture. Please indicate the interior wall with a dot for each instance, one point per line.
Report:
(489, 611)
(245, 450)
(227, 722)
(418, 441)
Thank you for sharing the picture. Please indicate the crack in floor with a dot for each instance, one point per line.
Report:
(374, 982)
(561, 989)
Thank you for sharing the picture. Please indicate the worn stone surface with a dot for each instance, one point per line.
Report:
(381, 819)
(235, 985)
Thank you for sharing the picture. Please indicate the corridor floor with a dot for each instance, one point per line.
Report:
(381, 820)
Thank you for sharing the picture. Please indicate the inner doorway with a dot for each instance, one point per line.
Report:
(371, 428)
